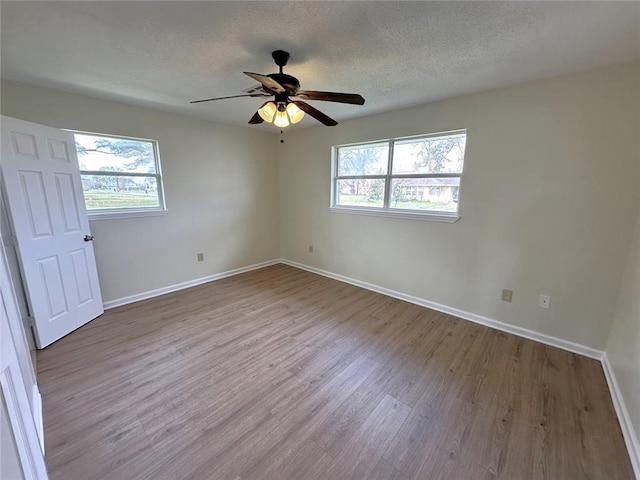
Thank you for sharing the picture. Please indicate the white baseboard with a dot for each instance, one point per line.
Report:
(489, 322)
(37, 415)
(628, 432)
(181, 286)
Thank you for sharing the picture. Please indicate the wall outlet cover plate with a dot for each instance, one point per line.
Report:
(544, 301)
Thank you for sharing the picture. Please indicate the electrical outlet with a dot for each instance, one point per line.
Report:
(544, 301)
(310, 248)
(507, 295)
(201, 257)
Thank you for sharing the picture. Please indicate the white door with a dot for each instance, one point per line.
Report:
(44, 195)
(21, 453)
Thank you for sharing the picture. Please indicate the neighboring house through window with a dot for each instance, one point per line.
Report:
(120, 176)
(410, 177)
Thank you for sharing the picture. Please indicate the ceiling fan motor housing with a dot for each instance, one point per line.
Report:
(291, 84)
(280, 57)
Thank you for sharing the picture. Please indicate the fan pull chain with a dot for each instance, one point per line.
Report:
(281, 135)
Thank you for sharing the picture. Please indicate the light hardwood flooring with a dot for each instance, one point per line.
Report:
(283, 374)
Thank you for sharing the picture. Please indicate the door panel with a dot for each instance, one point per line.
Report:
(68, 204)
(58, 150)
(24, 145)
(82, 276)
(35, 200)
(45, 200)
(52, 286)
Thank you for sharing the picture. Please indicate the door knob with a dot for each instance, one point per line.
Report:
(88, 238)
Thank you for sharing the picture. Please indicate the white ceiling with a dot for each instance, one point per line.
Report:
(395, 54)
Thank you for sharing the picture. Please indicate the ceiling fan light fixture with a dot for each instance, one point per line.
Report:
(281, 120)
(268, 111)
(295, 114)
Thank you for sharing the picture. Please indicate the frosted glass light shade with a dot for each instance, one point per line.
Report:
(281, 119)
(267, 111)
(295, 114)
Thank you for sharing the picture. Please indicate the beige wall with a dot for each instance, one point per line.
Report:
(623, 349)
(550, 185)
(220, 185)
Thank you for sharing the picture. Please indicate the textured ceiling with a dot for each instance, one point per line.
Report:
(395, 54)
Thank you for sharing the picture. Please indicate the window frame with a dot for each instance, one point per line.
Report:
(386, 210)
(127, 212)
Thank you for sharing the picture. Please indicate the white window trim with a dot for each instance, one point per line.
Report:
(435, 216)
(119, 213)
(397, 213)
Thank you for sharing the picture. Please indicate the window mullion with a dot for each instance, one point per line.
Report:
(387, 181)
(427, 175)
(361, 177)
(118, 174)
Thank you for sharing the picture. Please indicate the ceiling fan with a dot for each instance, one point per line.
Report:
(287, 106)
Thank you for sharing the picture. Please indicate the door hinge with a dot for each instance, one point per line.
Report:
(28, 321)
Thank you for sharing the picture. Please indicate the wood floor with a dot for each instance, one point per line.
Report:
(283, 374)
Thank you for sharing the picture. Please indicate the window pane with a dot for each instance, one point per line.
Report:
(360, 193)
(433, 194)
(363, 160)
(431, 155)
(115, 191)
(110, 154)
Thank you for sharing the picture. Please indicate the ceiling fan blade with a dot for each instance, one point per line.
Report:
(257, 88)
(256, 119)
(267, 81)
(315, 113)
(352, 98)
(232, 96)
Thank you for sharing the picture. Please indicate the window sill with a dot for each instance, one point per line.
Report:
(431, 217)
(116, 215)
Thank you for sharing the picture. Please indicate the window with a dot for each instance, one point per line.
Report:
(406, 177)
(120, 175)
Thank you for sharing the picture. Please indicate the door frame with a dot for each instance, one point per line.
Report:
(22, 416)
(12, 256)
